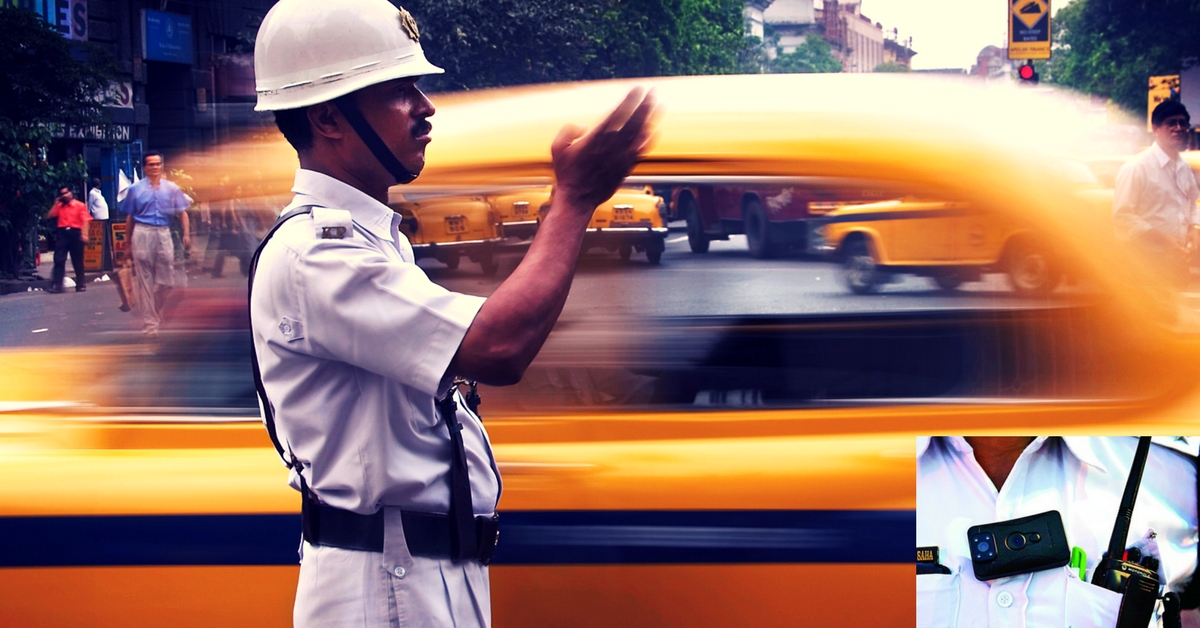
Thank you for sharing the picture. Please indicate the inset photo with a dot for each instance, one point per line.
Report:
(1057, 531)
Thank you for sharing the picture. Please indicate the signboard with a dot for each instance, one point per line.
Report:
(93, 249)
(120, 245)
(1161, 88)
(68, 17)
(166, 37)
(118, 94)
(99, 132)
(1189, 90)
(1029, 29)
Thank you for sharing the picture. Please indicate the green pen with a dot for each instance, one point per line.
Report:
(1079, 559)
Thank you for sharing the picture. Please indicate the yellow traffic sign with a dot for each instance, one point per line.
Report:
(1161, 88)
(1030, 11)
(1029, 29)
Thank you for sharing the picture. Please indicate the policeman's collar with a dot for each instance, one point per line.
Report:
(1080, 447)
(326, 191)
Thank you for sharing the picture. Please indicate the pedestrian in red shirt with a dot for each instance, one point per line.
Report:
(73, 218)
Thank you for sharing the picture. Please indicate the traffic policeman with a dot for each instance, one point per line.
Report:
(357, 351)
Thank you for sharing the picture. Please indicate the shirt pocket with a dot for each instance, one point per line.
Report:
(1089, 606)
(937, 600)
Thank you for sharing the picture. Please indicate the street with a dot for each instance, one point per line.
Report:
(726, 281)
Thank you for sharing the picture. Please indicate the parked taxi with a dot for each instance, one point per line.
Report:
(449, 229)
(631, 220)
(678, 467)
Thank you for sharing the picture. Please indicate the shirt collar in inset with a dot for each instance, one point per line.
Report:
(1080, 447)
(327, 191)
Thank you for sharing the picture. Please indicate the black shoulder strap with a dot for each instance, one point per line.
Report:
(1190, 597)
(267, 411)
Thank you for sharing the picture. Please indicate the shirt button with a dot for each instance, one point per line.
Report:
(399, 571)
(1005, 599)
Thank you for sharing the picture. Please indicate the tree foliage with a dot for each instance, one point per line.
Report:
(1112, 47)
(813, 56)
(492, 43)
(45, 80)
(891, 66)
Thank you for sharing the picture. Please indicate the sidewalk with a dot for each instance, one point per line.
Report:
(195, 277)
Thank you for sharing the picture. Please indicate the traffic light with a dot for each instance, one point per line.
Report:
(1028, 75)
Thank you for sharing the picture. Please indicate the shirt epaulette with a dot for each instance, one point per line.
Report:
(1189, 445)
(332, 224)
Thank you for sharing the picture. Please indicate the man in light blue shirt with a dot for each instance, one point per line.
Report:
(149, 205)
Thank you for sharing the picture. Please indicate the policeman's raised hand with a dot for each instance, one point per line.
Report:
(589, 167)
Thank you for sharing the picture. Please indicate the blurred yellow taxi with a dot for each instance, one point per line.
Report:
(448, 229)
(739, 465)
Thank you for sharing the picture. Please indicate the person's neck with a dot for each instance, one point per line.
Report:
(154, 181)
(997, 454)
(1170, 151)
(334, 170)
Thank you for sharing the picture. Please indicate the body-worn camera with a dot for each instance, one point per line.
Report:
(1018, 546)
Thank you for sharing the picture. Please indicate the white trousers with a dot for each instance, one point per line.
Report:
(154, 261)
(391, 588)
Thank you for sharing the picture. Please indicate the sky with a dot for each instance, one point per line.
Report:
(946, 33)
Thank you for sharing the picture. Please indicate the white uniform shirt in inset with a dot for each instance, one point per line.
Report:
(353, 341)
(1155, 193)
(1083, 479)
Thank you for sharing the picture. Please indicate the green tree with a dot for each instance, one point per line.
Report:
(1112, 47)
(891, 66)
(493, 43)
(45, 80)
(813, 56)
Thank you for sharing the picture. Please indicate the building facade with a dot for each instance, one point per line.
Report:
(185, 76)
(791, 21)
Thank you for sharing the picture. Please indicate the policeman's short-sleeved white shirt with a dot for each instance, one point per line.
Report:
(353, 342)
(1083, 479)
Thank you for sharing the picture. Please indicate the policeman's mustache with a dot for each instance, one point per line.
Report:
(422, 127)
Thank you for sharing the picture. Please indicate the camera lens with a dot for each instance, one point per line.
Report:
(983, 546)
(1015, 541)
(1034, 537)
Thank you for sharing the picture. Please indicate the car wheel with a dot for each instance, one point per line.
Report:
(1031, 269)
(697, 240)
(626, 252)
(654, 252)
(948, 281)
(860, 270)
(489, 264)
(757, 230)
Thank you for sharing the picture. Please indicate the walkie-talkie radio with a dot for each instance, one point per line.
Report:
(1133, 576)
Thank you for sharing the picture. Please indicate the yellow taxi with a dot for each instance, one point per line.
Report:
(948, 242)
(750, 463)
(449, 229)
(631, 220)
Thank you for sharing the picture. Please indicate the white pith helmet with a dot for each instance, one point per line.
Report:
(312, 51)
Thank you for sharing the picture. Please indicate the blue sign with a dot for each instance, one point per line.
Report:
(166, 37)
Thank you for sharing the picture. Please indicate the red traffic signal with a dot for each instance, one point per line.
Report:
(1027, 73)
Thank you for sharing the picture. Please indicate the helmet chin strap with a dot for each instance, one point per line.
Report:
(382, 153)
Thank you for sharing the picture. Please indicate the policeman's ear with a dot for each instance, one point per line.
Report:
(327, 121)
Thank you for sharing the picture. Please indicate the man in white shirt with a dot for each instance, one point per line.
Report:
(964, 482)
(96, 203)
(1154, 203)
(358, 350)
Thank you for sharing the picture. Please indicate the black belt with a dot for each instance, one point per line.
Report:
(426, 534)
